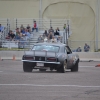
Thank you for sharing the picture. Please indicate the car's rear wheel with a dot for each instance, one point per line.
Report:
(27, 67)
(75, 67)
(63, 67)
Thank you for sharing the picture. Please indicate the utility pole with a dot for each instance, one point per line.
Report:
(97, 25)
(40, 14)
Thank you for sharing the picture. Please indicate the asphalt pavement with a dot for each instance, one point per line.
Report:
(50, 85)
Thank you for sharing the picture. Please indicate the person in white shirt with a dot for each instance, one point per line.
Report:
(53, 40)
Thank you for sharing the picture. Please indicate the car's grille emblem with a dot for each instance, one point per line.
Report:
(40, 58)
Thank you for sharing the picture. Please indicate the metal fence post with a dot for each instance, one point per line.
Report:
(29, 44)
(50, 23)
(16, 23)
(7, 25)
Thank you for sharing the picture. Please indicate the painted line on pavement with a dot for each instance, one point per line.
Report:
(50, 85)
(87, 66)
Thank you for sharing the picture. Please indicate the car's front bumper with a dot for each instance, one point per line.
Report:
(41, 62)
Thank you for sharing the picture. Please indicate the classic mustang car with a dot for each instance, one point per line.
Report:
(55, 56)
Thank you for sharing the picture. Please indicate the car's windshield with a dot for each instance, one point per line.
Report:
(50, 48)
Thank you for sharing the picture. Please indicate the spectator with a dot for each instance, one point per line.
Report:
(21, 27)
(23, 31)
(28, 28)
(35, 27)
(86, 48)
(40, 39)
(45, 39)
(8, 37)
(27, 34)
(79, 49)
(64, 27)
(45, 34)
(59, 39)
(58, 29)
(17, 30)
(57, 32)
(50, 36)
(51, 30)
(1, 28)
(53, 39)
(18, 34)
(12, 36)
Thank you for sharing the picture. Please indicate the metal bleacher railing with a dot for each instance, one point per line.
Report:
(43, 24)
(6, 24)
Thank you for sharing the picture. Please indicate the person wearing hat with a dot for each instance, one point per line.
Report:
(79, 49)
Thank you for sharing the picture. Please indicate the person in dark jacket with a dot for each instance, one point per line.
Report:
(45, 34)
(57, 32)
(86, 48)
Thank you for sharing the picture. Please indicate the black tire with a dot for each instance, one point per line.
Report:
(63, 67)
(27, 67)
(75, 67)
(58, 70)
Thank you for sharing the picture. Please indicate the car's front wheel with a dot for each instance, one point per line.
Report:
(75, 67)
(63, 67)
(27, 67)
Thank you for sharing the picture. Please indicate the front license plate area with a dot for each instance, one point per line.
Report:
(39, 64)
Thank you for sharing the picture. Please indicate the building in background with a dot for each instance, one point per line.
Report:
(83, 16)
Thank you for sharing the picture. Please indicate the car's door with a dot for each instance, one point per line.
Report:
(69, 56)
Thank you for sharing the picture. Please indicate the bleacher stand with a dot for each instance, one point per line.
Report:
(15, 39)
(56, 38)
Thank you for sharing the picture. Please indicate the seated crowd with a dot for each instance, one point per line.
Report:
(50, 36)
(24, 33)
(20, 33)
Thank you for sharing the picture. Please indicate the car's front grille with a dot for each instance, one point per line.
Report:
(39, 58)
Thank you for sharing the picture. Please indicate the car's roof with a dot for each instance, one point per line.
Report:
(48, 43)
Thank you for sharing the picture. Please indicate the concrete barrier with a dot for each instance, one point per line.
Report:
(9, 54)
(84, 56)
(89, 56)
